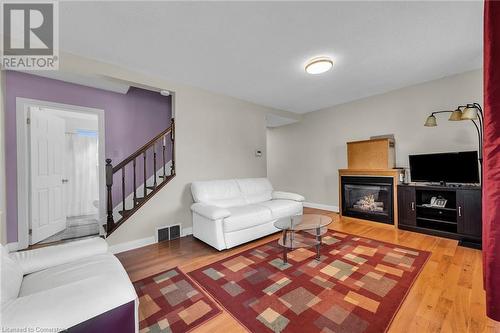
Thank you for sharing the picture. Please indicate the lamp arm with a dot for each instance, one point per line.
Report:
(481, 128)
(436, 112)
(478, 106)
(480, 138)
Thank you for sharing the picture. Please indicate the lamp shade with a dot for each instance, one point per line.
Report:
(469, 113)
(456, 115)
(431, 121)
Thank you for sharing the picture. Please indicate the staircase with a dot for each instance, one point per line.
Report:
(148, 186)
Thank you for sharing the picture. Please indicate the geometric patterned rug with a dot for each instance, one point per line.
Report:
(357, 285)
(171, 302)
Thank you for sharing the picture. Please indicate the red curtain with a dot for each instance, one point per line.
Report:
(491, 162)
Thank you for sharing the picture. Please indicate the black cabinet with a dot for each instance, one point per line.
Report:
(469, 213)
(407, 213)
(459, 218)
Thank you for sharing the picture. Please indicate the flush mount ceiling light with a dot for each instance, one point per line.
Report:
(319, 65)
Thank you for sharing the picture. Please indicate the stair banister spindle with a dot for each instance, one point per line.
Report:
(110, 223)
(123, 190)
(163, 140)
(154, 165)
(172, 138)
(135, 184)
(145, 189)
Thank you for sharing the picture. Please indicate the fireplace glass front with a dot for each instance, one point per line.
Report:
(368, 198)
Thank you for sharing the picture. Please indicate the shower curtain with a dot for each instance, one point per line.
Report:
(82, 170)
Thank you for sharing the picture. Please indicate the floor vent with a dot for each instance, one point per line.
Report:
(168, 232)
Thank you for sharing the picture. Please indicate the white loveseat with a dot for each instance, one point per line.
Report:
(78, 286)
(230, 212)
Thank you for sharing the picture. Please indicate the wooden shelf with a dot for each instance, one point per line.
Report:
(429, 231)
(435, 220)
(443, 208)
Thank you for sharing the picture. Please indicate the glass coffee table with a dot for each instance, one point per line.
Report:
(302, 231)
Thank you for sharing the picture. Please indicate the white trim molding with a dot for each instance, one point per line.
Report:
(321, 206)
(22, 130)
(12, 247)
(186, 231)
(135, 244)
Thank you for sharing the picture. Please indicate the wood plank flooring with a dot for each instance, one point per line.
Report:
(447, 296)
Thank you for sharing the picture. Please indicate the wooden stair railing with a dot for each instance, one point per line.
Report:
(168, 134)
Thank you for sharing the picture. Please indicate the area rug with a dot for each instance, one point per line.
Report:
(171, 302)
(357, 285)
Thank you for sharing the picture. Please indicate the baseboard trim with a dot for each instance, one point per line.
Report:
(135, 244)
(187, 231)
(321, 206)
(12, 247)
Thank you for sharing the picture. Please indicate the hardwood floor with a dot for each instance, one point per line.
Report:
(447, 296)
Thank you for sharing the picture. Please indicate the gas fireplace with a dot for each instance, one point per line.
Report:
(369, 198)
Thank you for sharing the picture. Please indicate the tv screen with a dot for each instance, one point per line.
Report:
(461, 167)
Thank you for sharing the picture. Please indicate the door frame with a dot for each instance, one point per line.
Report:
(23, 156)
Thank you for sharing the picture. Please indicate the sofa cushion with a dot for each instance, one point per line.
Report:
(11, 277)
(244, 217)
(221, 193)
(282, 208)
(255, 189)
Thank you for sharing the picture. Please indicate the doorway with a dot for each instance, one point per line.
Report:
(63, 176)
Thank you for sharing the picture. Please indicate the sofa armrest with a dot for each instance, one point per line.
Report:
(36, 260)
(67, 305)
(287, 196)
(210, 212)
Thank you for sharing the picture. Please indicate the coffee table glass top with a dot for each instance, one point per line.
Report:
(303, 222)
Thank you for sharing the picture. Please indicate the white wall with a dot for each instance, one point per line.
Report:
(216, 137)
(3, 224)
(304, 157)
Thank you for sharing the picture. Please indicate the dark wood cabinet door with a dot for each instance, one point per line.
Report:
(407, 213)
(469, 213)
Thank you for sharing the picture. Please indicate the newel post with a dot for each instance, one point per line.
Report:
(110, 223)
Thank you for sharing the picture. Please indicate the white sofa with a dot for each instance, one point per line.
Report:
(231, 212)
(78, 286)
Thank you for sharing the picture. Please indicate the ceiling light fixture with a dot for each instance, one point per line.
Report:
(319, 65)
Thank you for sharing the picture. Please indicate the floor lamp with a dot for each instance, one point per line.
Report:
(472, 112)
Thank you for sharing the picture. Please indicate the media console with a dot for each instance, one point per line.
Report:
(459, 219)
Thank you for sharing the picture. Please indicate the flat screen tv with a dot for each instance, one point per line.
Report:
(460, 167)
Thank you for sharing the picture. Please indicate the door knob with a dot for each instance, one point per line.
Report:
(64, 181)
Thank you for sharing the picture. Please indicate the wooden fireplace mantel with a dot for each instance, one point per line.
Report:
(394, 173)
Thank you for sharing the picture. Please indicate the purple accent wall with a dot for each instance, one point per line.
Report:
(131, 120)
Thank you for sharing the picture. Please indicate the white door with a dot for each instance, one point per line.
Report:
(48, 215)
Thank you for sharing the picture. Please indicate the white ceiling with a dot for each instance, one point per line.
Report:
(256, 50)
